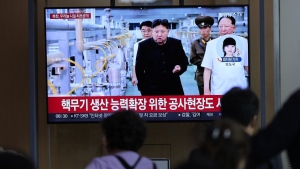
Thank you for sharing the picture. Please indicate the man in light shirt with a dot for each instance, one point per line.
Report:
(146, 31)
(225, 72)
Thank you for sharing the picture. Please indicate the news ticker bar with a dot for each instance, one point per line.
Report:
(96, 117)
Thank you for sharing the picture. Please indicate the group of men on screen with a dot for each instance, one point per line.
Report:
(159, 60)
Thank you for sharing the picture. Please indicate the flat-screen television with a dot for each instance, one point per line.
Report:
(89, 62)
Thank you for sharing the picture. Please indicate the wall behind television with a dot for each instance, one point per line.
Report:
(73, 145)
(289, 48)
(14, 88)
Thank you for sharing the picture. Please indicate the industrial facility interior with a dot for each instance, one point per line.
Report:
(93, 56)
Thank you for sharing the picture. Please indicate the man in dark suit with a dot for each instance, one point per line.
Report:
(160, 61)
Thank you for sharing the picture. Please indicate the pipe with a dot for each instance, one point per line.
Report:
(116, 45)
(69, 25)
(108, 48)
(120, 58)
(99, 70)
(91, 45)
(108, 16)
(52, 87)
(54, 57)
(102, 51)
(79, 35)
(105, 60)
(114, 75)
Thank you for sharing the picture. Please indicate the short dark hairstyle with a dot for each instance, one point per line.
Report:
(163, 22)
(240, 105)
(124, 130)
(229, 17)
(146, 23)
(228, 41)
(10, 159)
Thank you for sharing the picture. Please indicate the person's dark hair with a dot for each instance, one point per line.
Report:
(124, 130)
(228, 41)
(229, 17)
(240, 105)
(226, 143)
(10, 159)
(163, 22)
(146, 23)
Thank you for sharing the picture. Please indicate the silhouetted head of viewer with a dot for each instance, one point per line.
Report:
(242, 106)
(226, 144)
(160, 31)
(123, 130)
(10, 159)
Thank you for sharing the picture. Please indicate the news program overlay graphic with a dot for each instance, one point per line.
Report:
(70, 16)
(149, 108)
(90, 54)
(231, 50)
(232, 56)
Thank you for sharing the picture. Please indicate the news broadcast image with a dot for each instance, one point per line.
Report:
(90, 55)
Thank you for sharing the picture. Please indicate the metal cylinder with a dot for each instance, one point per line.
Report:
(108, 16)
(123, 80)
(114, 77)
(120, 58)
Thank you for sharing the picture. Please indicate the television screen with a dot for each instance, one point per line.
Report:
(91, 61)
